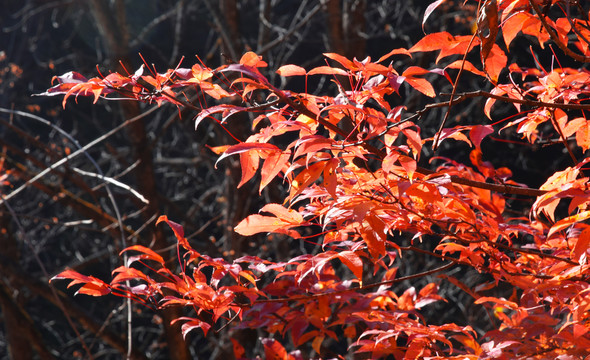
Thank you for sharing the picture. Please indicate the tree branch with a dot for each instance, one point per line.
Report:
(555, 38)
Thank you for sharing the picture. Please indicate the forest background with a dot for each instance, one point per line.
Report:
(67, 220)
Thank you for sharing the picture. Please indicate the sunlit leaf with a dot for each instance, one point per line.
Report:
(327, 70)
(148, 253)
(291, 70)
(177, 229)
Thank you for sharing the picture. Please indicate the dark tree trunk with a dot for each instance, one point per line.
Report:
(111, 23)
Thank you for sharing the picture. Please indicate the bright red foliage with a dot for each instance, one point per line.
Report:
(362, 211)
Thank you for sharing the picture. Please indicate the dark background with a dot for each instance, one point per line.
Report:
(66, 219)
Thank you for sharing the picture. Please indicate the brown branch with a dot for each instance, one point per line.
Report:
(362, 287)
(500, 188)
(68, 198)
(444, 121)
(221, 28)
(444, 223)
(291, 31)
(534, 103)
(562, 137)
(555, 38)
(74, 154)
(7, 268)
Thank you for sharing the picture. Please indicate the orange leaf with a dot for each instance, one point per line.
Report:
(460, 45)
(583, 136)
(316, 344)
(563, 27)
(249, 162)
(414, 141)
(246, 146)
(330, 178)
(498, 301)
(218, 149)
(434, 41)
(495, 62)
(573, 125)
(291, 70)
(149, 253)
(92, 286)
(273, 164)
(513, 25)
(227, 110)
(73, 275)
(327, 70)
(560, 178)
(239, 351)
(568, 221)
(415, 70)
(127, 273)
(283, 213)
(192, 324)
(400, 51)
(273, 350)
(466, 65)
(375, 235)
(425, 192)
(311, 144)
(582, 244)
(353, 262)
(200, 73)
(409, 165)
(342, 60)
(255, 224)
(421, 85)
(252, 59)
(388, 162)
(453, 133)
(177, 229)
(305, 178)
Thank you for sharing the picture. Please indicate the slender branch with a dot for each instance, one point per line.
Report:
(555, 38)
(562, 137)
(362, 287)
(139, 39)
(444, 121)
(500, 188)
(64, 160)
(222, 28)
(291, 31)
(54, 293)
(480, 93)
(71, 308)
(114, 182)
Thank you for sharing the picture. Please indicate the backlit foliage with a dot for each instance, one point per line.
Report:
(359, 191)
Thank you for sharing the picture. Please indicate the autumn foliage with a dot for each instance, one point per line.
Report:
(360, 182)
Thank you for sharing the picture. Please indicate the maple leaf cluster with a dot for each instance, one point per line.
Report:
(361, 190)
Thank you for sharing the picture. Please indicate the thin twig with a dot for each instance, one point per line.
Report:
(444, 121)
(292, 30)
(69, 157)
(362, 287)
(555, 38)
(114, 182)
(534, 103)
(46, 274)
(221, 28)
